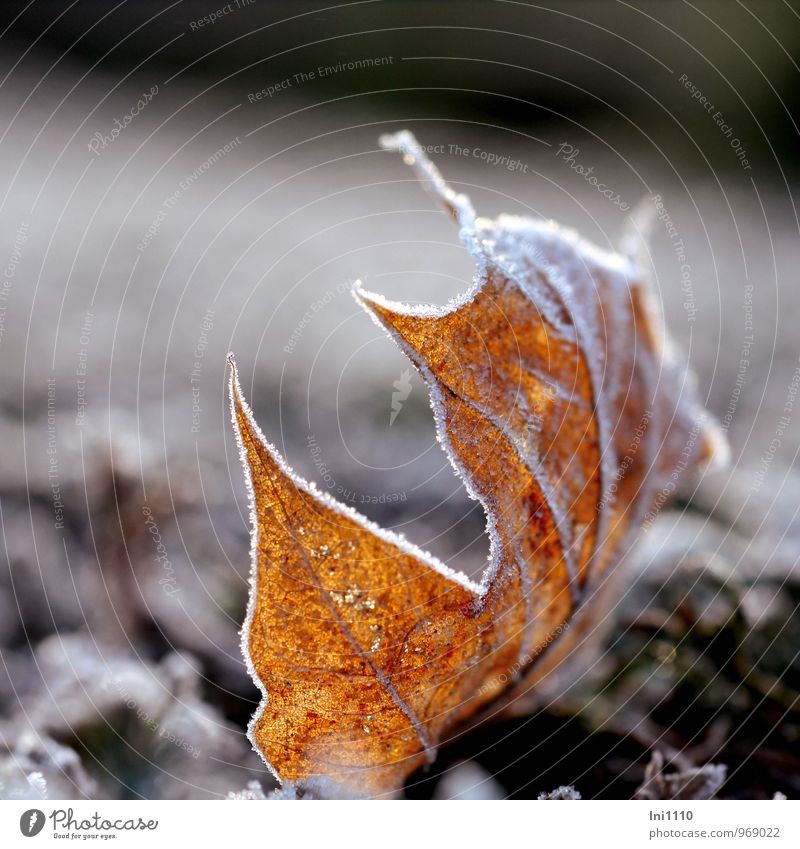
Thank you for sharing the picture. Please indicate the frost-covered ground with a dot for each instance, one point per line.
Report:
(124, 540)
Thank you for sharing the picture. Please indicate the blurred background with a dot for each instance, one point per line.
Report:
(184, 179)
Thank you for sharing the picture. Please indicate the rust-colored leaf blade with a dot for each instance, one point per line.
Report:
(365, 648)
(558, 400)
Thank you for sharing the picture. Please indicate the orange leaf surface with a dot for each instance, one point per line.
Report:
(559, 402)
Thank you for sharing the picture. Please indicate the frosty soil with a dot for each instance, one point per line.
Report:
(168, 583)
(80, 369)
(184, 185)
(780, 431)
(152, 722)
(744, 359)
(9, 272)
(345, 494)
(309, 314)
(52, 456)
(206, 326)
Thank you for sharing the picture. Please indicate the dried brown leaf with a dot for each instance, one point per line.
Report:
(559, 402)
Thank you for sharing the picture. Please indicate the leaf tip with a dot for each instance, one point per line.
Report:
(402, 141)
(716, 454)
(363, 296)
(458, 205)
(357, 289)
(637, 233)
(234, 391)
(382, 311)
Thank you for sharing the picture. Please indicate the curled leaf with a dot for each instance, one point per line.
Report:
(560, 404)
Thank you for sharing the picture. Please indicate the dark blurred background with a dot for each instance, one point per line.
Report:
(183, 179)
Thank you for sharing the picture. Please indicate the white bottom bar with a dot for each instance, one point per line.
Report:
(403, 824)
